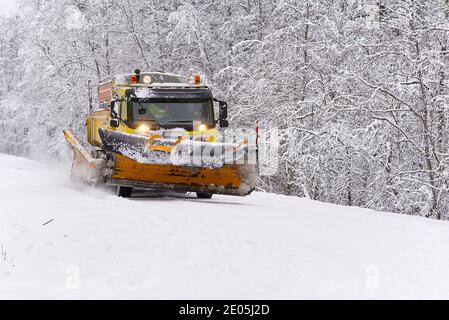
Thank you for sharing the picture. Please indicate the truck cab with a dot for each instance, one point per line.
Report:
(153, 102)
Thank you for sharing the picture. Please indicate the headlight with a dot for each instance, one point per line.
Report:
(202, 128)
(143, 128)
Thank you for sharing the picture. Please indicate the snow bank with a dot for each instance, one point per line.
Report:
(60, 240)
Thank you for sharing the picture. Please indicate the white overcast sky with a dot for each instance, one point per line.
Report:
(6, 6)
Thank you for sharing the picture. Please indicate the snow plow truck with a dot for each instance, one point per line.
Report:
(160, 131)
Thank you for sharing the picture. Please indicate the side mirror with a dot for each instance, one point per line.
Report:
(224, 123)
(223, 110)
(112, 109)
(114, 123)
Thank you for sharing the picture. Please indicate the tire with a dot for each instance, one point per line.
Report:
(202, 195)
(124, 192)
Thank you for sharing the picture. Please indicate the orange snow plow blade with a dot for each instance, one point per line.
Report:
(230, 179)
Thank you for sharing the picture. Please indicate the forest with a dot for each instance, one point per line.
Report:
(357, 90)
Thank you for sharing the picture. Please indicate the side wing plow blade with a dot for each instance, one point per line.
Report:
(85, 168)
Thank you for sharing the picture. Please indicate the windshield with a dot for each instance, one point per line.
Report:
(172, 112)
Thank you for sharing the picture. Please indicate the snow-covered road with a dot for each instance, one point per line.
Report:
(261, 246)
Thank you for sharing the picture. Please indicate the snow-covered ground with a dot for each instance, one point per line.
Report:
(262, 246)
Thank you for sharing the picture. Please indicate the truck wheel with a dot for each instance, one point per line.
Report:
(124, 192)
(202, 195)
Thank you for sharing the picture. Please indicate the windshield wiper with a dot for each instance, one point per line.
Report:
(182, 121)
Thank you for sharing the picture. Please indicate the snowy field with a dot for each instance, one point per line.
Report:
(262, 246)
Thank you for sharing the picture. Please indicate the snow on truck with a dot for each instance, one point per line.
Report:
(158, 131)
